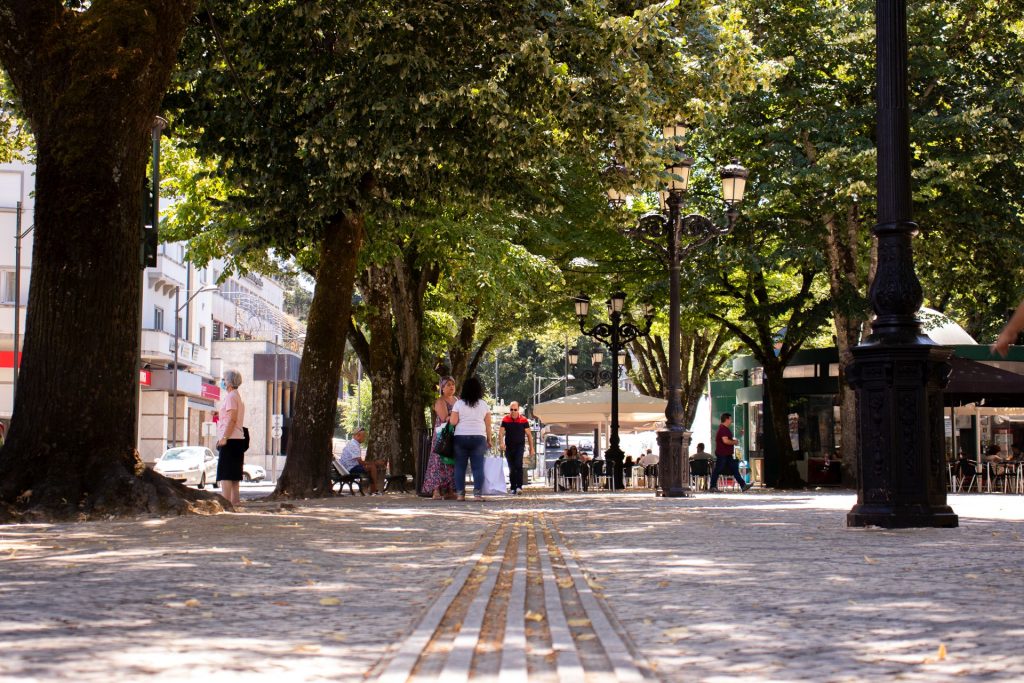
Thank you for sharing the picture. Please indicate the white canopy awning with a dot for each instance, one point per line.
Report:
(581, 413)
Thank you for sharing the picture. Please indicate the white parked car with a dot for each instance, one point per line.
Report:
(253, 473)
(191, 465)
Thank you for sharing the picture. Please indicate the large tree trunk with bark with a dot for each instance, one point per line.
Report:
(307, 469)
(845, 284)
(91, 83)
(382, 369)
(409, 287)
(786, 475)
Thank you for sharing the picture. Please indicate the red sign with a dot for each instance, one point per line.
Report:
(211, 391)
(7, 359)
(145, 377)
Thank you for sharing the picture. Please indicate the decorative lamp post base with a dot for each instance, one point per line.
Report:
(674, 463)
(614, 458)
(901, 482)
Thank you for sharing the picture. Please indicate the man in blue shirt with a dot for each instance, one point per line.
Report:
(512, 439)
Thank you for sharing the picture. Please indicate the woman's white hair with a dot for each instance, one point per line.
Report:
(233, 378)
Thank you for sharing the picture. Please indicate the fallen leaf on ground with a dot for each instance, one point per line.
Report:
(280, 603)
(565, 583)
(306, 649)
(676, 633)
(579, 622)
(191, 602)
(300, 560)
(310, 582)
(329, 602)
(594, 585)
(870, 560)
(533, 616)
(246, 561)
(941, 655)
(663, 584)
(586, 636)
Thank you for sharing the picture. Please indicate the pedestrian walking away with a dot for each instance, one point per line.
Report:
(725, 463)
(513, 437)
(471, 418)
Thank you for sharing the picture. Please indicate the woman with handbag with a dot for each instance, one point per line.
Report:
(231, 439)
(439, 478)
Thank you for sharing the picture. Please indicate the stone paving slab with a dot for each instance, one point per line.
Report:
(753, 587)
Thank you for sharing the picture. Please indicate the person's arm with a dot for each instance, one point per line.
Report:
(501, 436)
(487, 427)
(1010, 332)
(232, 420)
(453, 418)
(530, 440)
(441, 410)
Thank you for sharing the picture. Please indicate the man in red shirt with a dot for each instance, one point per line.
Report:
(724, 462)
(513, 436)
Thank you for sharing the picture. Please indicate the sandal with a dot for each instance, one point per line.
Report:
(437, 495)
(461, 496)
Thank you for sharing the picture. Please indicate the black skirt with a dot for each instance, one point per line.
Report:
(229, 464)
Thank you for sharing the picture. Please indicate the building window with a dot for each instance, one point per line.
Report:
(202, 336)
(216, 330)
(158, 318)
(7, 295)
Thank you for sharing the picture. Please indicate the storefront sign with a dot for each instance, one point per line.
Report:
(145, 378)
(210, 391)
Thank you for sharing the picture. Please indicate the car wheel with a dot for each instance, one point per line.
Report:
(246, 478)
(202, 481)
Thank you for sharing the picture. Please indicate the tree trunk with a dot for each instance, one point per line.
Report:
(845, 284)
(459, 355)
(307, 469)
(90, 83)
(786, 475)
(409, 287)
(375, 284)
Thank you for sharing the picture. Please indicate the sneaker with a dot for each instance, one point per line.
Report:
(714, 491)
(746, 488)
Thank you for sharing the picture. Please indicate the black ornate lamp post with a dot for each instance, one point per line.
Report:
(684, 234)
(595, 375)
(897, 372)
(615, 335)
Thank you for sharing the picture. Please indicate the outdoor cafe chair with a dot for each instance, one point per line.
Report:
(570, 476)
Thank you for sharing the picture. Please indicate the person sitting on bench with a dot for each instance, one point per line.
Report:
(351, 458)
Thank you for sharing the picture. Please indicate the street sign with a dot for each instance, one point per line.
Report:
(277, 420)
(276, 432)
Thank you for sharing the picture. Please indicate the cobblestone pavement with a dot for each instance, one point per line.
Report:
(751, 587)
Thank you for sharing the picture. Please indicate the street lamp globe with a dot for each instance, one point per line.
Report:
(597, 357)
(582, 306)
(675, 131)
(679, 174)
(648, 310)
(617, 302)
(574, 355)
(734, 182)
(621, 357)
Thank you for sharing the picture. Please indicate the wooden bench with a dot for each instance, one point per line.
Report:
(340, 475)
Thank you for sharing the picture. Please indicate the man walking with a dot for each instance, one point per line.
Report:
(725, 463)
(512, 438)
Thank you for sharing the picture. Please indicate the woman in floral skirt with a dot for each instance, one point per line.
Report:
(440, 478)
